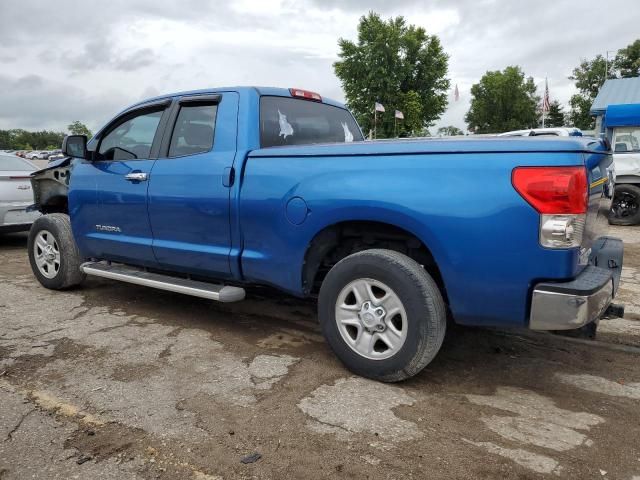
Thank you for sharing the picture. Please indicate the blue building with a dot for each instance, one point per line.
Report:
(617, 105)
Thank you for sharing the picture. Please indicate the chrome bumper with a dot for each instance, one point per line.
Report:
(571, 305)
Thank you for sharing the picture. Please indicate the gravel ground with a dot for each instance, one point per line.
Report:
(117, 381)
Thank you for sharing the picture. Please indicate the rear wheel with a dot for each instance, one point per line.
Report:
(382, 314)
(53, 254)
(625, 208)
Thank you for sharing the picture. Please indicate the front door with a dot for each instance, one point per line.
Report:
(117, 227)
(189, 186)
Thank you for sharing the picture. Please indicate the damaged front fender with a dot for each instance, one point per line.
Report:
(51, 187)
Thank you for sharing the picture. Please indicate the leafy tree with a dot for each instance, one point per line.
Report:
(398, 65)
(502, 101)
(18, 139)
(413, 122)
(627, 60)
(579, 115)
(79, 128)
(589, 77)
(449, 131)
(555, 116)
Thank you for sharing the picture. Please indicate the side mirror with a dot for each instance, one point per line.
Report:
(75, 146)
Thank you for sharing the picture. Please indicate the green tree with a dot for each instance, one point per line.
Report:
(627, 60)
(502, 101)
(579, 115)
(413, 123)
(555, 116)
(18, 139)
(398, 65)
(449, 131)
(588, 77)
(79, 128)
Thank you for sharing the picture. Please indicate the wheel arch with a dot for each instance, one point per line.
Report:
(342, 238)
(51, 188)
(627, 179)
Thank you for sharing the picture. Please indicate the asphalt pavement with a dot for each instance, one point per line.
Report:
(112, 380)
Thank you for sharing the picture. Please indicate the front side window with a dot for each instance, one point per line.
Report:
(194, 129)
(627, 140)
(132, 138)
(291, 121)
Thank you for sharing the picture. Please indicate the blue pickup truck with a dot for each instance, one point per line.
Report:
(206, 192)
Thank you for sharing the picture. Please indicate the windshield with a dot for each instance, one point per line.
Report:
(291, 121)
(9, 163)
(627, 139)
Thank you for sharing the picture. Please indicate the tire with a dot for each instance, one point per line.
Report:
(625, 208)
(421, 320)
(53, 254)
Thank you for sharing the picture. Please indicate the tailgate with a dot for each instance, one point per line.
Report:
(601, 179)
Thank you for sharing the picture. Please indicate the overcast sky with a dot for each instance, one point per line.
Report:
(85, 60)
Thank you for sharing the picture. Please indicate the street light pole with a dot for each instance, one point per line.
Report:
(606, 63)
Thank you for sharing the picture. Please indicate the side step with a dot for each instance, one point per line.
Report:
(220, 293)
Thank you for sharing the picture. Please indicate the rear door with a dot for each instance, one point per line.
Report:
(189, 189)
(114, 223)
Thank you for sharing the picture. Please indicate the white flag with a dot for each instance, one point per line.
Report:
(379, 107)
(399, 115)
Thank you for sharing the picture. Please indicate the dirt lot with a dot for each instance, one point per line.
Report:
(118, 381)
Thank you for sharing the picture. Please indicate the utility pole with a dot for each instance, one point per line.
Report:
(606, 63)
(375, 124)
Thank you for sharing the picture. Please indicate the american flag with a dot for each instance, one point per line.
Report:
(456, 93)
(545, 99)
(379, 107)
(399, 115)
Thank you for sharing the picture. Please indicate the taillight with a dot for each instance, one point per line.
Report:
(560, 195)
(552, 189)
(306, 94)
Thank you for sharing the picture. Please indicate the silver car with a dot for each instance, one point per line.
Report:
(15, 194)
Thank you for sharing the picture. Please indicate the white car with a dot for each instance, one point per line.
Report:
(37, 155)
(551, 131)
(15, 194)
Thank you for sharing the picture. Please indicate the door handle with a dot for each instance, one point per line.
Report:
(136, 177)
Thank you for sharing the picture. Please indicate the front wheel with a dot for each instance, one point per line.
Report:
(53, 254)
(625, 208)
(382, 314)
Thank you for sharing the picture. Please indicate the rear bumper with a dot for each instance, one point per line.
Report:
(571, 305)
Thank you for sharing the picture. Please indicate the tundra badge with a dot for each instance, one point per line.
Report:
(108, 228)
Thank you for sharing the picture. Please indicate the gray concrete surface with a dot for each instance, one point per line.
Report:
(117, 381)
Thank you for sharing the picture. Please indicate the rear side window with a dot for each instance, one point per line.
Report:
(8, 163)
(194, 129)
(291, 121)
(132, 138)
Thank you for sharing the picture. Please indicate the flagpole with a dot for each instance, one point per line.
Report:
(375, 122)
(545, 100)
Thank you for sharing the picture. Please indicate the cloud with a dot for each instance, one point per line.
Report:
(68, 60)
(35, 102)
(102, 54)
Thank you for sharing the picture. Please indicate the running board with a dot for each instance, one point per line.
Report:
(220, 293)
